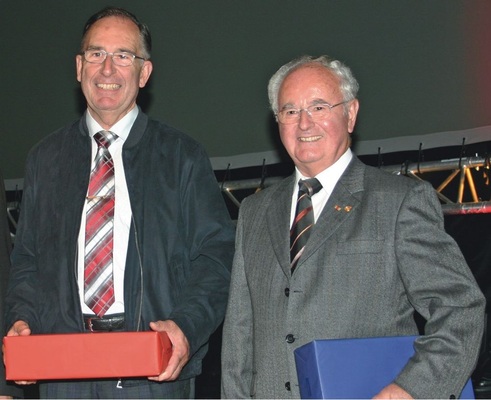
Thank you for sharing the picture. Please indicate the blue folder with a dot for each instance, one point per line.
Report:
(354, 368)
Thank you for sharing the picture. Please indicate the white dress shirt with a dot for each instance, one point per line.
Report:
(328, 178)
(122, 212)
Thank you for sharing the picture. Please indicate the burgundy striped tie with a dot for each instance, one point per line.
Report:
(304, 218)
(98, 275)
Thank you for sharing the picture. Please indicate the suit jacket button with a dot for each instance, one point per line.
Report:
(290, 338)
(287, 292)
(287, 386)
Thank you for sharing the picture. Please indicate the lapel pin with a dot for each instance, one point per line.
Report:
(345, 208)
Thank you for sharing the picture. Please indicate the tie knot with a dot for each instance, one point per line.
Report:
(105, 138)
(309, 186)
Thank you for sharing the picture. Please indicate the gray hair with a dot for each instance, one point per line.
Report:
(348, 84)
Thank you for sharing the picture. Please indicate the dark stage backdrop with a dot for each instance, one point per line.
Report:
(423, 67)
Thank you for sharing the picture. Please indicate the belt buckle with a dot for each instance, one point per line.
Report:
(90, 324)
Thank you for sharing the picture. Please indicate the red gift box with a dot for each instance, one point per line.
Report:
(86, 355)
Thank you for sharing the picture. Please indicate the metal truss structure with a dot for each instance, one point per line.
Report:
(465, 180)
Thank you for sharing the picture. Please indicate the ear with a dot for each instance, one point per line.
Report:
(145, 73)
(79, 63)
(352, 113)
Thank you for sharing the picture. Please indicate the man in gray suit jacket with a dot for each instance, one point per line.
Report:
(377, 252)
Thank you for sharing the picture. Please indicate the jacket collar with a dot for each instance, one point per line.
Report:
(136, 132)
(342, 204)
(344, 200)
(278, 221)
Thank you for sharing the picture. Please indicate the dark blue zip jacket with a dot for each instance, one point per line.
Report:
(181, 239)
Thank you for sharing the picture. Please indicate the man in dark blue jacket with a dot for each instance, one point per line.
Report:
(170, 235)
(7, 389)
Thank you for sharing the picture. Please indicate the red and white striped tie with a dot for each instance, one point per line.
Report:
(98, 274)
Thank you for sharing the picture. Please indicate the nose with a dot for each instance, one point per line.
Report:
(108, 65)
(305, 120)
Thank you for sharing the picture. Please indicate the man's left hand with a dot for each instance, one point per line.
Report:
(393, 391)
(180, 350)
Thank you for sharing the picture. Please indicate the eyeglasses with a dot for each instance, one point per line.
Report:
(317, 112)
(121, 58)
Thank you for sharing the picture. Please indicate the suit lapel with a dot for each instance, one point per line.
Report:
(344, 200)
(278, 221)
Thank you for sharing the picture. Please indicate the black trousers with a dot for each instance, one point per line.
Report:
(117, 389)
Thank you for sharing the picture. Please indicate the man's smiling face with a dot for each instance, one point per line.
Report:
(315, 145)
(111, 90)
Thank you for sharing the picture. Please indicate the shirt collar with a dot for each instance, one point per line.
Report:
(121, 128)
(330, 176)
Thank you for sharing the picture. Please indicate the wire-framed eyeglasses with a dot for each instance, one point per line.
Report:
(317, 112)
(121, 58)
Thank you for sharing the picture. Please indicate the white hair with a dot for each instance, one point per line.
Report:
(347, 82)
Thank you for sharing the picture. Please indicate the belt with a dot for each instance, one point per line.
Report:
(109, 323)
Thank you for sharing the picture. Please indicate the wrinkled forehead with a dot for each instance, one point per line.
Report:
(113, 31)
(311, 82)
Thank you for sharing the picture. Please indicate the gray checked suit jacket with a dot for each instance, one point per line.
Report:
(377, 253)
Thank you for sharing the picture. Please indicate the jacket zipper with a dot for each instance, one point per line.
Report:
(140, 305)
(78, 295)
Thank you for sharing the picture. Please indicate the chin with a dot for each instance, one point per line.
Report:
(307, 157)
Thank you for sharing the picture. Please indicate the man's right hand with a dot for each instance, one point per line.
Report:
(20, 328)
